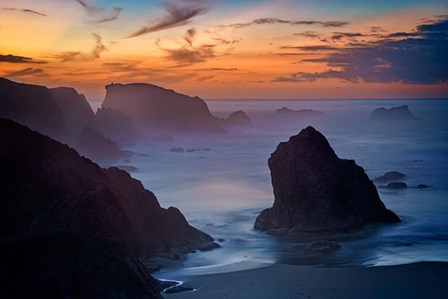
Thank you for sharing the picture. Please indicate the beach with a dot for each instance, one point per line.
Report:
(418, 280)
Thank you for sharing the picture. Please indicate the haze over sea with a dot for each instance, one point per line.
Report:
(221, 191)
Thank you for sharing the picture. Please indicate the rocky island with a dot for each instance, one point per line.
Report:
(395, 113)
(155, 110)
(315, 191)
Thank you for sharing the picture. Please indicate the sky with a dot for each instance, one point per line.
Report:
(309, 49)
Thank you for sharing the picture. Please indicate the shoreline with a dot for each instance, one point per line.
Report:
(417, 280)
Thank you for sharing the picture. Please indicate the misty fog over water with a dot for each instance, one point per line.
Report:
(222, 190)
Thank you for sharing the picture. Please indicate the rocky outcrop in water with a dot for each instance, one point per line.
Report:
(289, 113)
(154, 109)
(315, 191)
(390, 176)
(236, 119)
(394, 113)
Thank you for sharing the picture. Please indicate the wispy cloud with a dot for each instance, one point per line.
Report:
(19, 59)
(77, 55)
(344, 35)
(232, 69)
(263, 21)
(25, 10)
(418, 58)
(176, 14)
(99, 15)
(317, 48)
(310, 34)
(189, 53)
(23, 72)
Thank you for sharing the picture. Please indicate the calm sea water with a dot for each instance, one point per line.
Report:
(221, 191)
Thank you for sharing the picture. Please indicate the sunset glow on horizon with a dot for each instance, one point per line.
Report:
(231, 49)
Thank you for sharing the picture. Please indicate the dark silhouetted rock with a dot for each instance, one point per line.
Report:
(116, 125)
(66, 264)
(315, 191)
(236, 119)
(32, 105)
(163, 137)
(322, 246)
(95, 146)
(46, 186)
(394, 113)
(208, 246)
(154, 109)
(288, 113)
(422, 186)
(76, 110)
(60, 113)
(177, 149)
(397, 185)
(390, 176)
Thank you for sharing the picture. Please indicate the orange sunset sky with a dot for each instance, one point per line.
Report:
(231, 49)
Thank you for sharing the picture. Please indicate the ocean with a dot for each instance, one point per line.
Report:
(222, 190)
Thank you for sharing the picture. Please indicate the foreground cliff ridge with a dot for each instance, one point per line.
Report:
(66, 210)
(155, 110)
(45, 183)
(315, 191)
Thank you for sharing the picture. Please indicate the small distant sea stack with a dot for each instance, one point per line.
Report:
(315, 191)
(235, 119)
(394, 113)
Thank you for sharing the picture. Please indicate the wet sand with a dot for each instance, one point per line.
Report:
(419, 280)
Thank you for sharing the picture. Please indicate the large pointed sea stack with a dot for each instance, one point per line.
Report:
(315, 191)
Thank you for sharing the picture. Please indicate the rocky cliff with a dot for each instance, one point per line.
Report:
(315, 191)
(154, 109)
(32, 105)
(76, 110)
(60, 113)
(47, 186)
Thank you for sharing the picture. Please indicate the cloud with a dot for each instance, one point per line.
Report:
(23, 72)
(317, 48)
(225, 41)
(27, 11)
(189, 53)
(77, 55)
(19, 59)
(282, 21)
(177, 14)
(341, 35)
(99, 15)
(419, 58)
(310, 34)
(232, 69)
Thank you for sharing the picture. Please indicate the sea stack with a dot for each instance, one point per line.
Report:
(316, 192)
(395, 113)
(154, 109)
